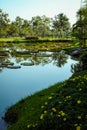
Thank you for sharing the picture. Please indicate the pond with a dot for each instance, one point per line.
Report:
(36, 72)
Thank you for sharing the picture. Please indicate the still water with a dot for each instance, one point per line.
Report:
(16, 84)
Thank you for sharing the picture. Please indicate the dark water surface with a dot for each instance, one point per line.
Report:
(16, 84)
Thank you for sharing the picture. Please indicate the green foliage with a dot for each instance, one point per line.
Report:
(13, 30)
(22, 26)
(4, 23)
(62, 106)
(62, 109)
(61, 26)
(41, 26)
(80, 27)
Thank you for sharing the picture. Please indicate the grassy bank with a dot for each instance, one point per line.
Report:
(40, 40)
(60, 107)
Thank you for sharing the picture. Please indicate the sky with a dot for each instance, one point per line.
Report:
(27, 9)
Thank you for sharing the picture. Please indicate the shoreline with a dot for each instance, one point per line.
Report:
(23, 40)
(28, 111)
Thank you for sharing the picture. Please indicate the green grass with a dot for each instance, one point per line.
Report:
(41, 40)
(60, 107)
(45, 46)
(11, 39)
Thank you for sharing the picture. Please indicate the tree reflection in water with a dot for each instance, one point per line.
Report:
(60, 58)
(39, 58)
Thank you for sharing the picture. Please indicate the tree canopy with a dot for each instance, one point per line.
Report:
(61, 25)
(4, 23)
(80, 27)
(42, 26)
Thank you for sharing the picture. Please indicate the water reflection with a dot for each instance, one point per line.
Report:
(45, 69)
(33, 58)
(60, 58)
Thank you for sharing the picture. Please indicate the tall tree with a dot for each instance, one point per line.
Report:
(61, 25)
(26, 29)
(80, 27)
(4, 23)
(23, 26)
(40, 25)
(45, 26)
(19, 22)
(13, 30)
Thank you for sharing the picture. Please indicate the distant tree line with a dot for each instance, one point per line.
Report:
(42, 26)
